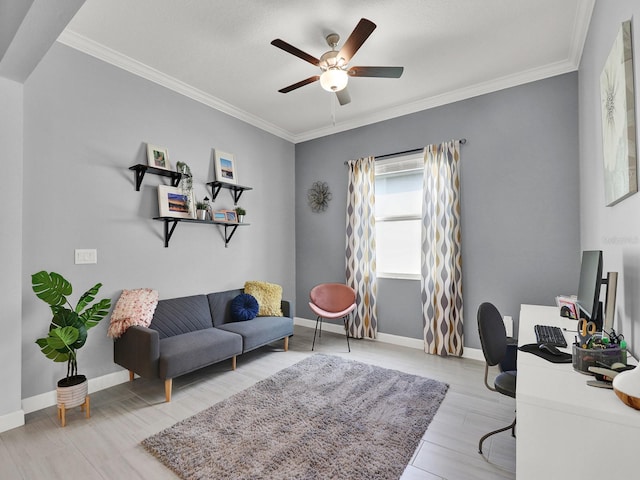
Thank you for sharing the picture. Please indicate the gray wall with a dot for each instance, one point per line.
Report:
(615, 230)
(11, 115)
(519, 178)
(85, 123)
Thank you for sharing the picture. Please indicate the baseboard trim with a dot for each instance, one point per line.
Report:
(48, 399)
(11, 420)
(417, 343)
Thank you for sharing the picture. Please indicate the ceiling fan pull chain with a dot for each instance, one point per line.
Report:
(333, 110)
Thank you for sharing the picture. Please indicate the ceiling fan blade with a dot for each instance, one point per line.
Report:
(295, 51)
(356, 39)
(384, 72)
(302, 83)
(343, 96)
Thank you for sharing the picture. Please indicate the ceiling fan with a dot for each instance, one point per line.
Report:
(335, 64)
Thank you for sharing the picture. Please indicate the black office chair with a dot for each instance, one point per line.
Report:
(498, 349)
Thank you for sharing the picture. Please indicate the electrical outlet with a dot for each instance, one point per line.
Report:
(86, 255)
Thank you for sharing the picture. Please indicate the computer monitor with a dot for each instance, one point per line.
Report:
(589, 287)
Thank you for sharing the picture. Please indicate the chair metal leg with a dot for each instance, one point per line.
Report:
(314, 334)
(504, 429)
(346, 330)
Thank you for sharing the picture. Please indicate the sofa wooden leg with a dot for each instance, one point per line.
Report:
(168, 384)
(286, 344)
(233, 362)
(131, 374)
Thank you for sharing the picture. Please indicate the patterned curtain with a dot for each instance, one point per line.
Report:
(441, 250)
(361, 246)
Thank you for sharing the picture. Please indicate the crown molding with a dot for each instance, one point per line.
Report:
(108, 55)
(580, 30)
(443, 99)
(570, 64)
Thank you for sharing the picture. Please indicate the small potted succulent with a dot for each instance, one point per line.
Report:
(240, 212)
(202, 209)
(68, 330)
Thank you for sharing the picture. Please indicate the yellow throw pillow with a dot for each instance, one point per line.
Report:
(269, 296)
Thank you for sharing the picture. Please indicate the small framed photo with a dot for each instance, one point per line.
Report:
(220, 216)
(173, 202)
(232, 217)
(225, 167)
(158, 157)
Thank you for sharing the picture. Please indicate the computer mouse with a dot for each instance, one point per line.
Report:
(552, 349)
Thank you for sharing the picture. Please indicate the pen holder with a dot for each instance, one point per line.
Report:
(583, 358)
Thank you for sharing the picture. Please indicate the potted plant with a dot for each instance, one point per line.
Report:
(241, 212)
(68, 330)
(201, 210)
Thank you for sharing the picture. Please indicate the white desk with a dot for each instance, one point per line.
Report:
(583, 432)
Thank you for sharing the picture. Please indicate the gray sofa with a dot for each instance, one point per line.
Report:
(188, 333)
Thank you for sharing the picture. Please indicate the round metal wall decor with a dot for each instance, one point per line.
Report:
(318, 196)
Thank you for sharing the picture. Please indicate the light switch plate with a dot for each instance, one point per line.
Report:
(86, 256)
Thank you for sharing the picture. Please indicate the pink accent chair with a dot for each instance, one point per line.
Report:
(332, 301)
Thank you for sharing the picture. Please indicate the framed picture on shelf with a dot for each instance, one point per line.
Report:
(225, 167)
(220, 216)
(173, 202)
(232, 216)
(158, 157)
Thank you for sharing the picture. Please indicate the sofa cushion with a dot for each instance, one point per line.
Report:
(134, 307)
(260, 331)
(244, 307)
(190, 351)
(220, 306)
(175, 316)
(269, 296)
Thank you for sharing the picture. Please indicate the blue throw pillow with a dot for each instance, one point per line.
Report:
(244, 307)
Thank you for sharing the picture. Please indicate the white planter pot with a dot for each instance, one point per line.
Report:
(74, 395)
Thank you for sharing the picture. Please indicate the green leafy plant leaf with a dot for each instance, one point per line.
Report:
(92, 316)
(58, 345)
(52, 288)
(68, 328)
(88, 297)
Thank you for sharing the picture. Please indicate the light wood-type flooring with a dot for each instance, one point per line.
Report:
(107, 446)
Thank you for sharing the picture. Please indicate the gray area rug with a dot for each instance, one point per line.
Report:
(322, 418)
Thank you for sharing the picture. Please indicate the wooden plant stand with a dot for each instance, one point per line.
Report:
(86, 406)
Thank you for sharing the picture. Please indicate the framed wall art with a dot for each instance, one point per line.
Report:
(232, 217)
(174, 202)
(158, 157)
(220, 216)
(225, 167)
(619, 120)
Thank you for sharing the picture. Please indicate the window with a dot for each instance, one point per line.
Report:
(399, 216)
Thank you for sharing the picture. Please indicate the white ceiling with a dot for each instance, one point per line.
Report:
(219, 52)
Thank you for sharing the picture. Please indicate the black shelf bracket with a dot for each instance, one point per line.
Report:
(169, 229)
(140, 170)
(236, 191)
(227, 237)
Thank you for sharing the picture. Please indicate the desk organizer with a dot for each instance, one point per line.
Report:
(583, 358)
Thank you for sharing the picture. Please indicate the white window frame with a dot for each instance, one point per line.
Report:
(401, 164)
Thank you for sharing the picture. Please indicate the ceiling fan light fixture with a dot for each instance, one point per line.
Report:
(334, 79)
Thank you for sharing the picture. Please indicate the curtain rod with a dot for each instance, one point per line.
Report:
(407, 152)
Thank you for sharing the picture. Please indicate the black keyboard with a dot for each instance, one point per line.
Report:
(549, 335)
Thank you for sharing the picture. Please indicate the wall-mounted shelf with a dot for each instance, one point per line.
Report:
(168, 229)
(141, 169)
(235, 190)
